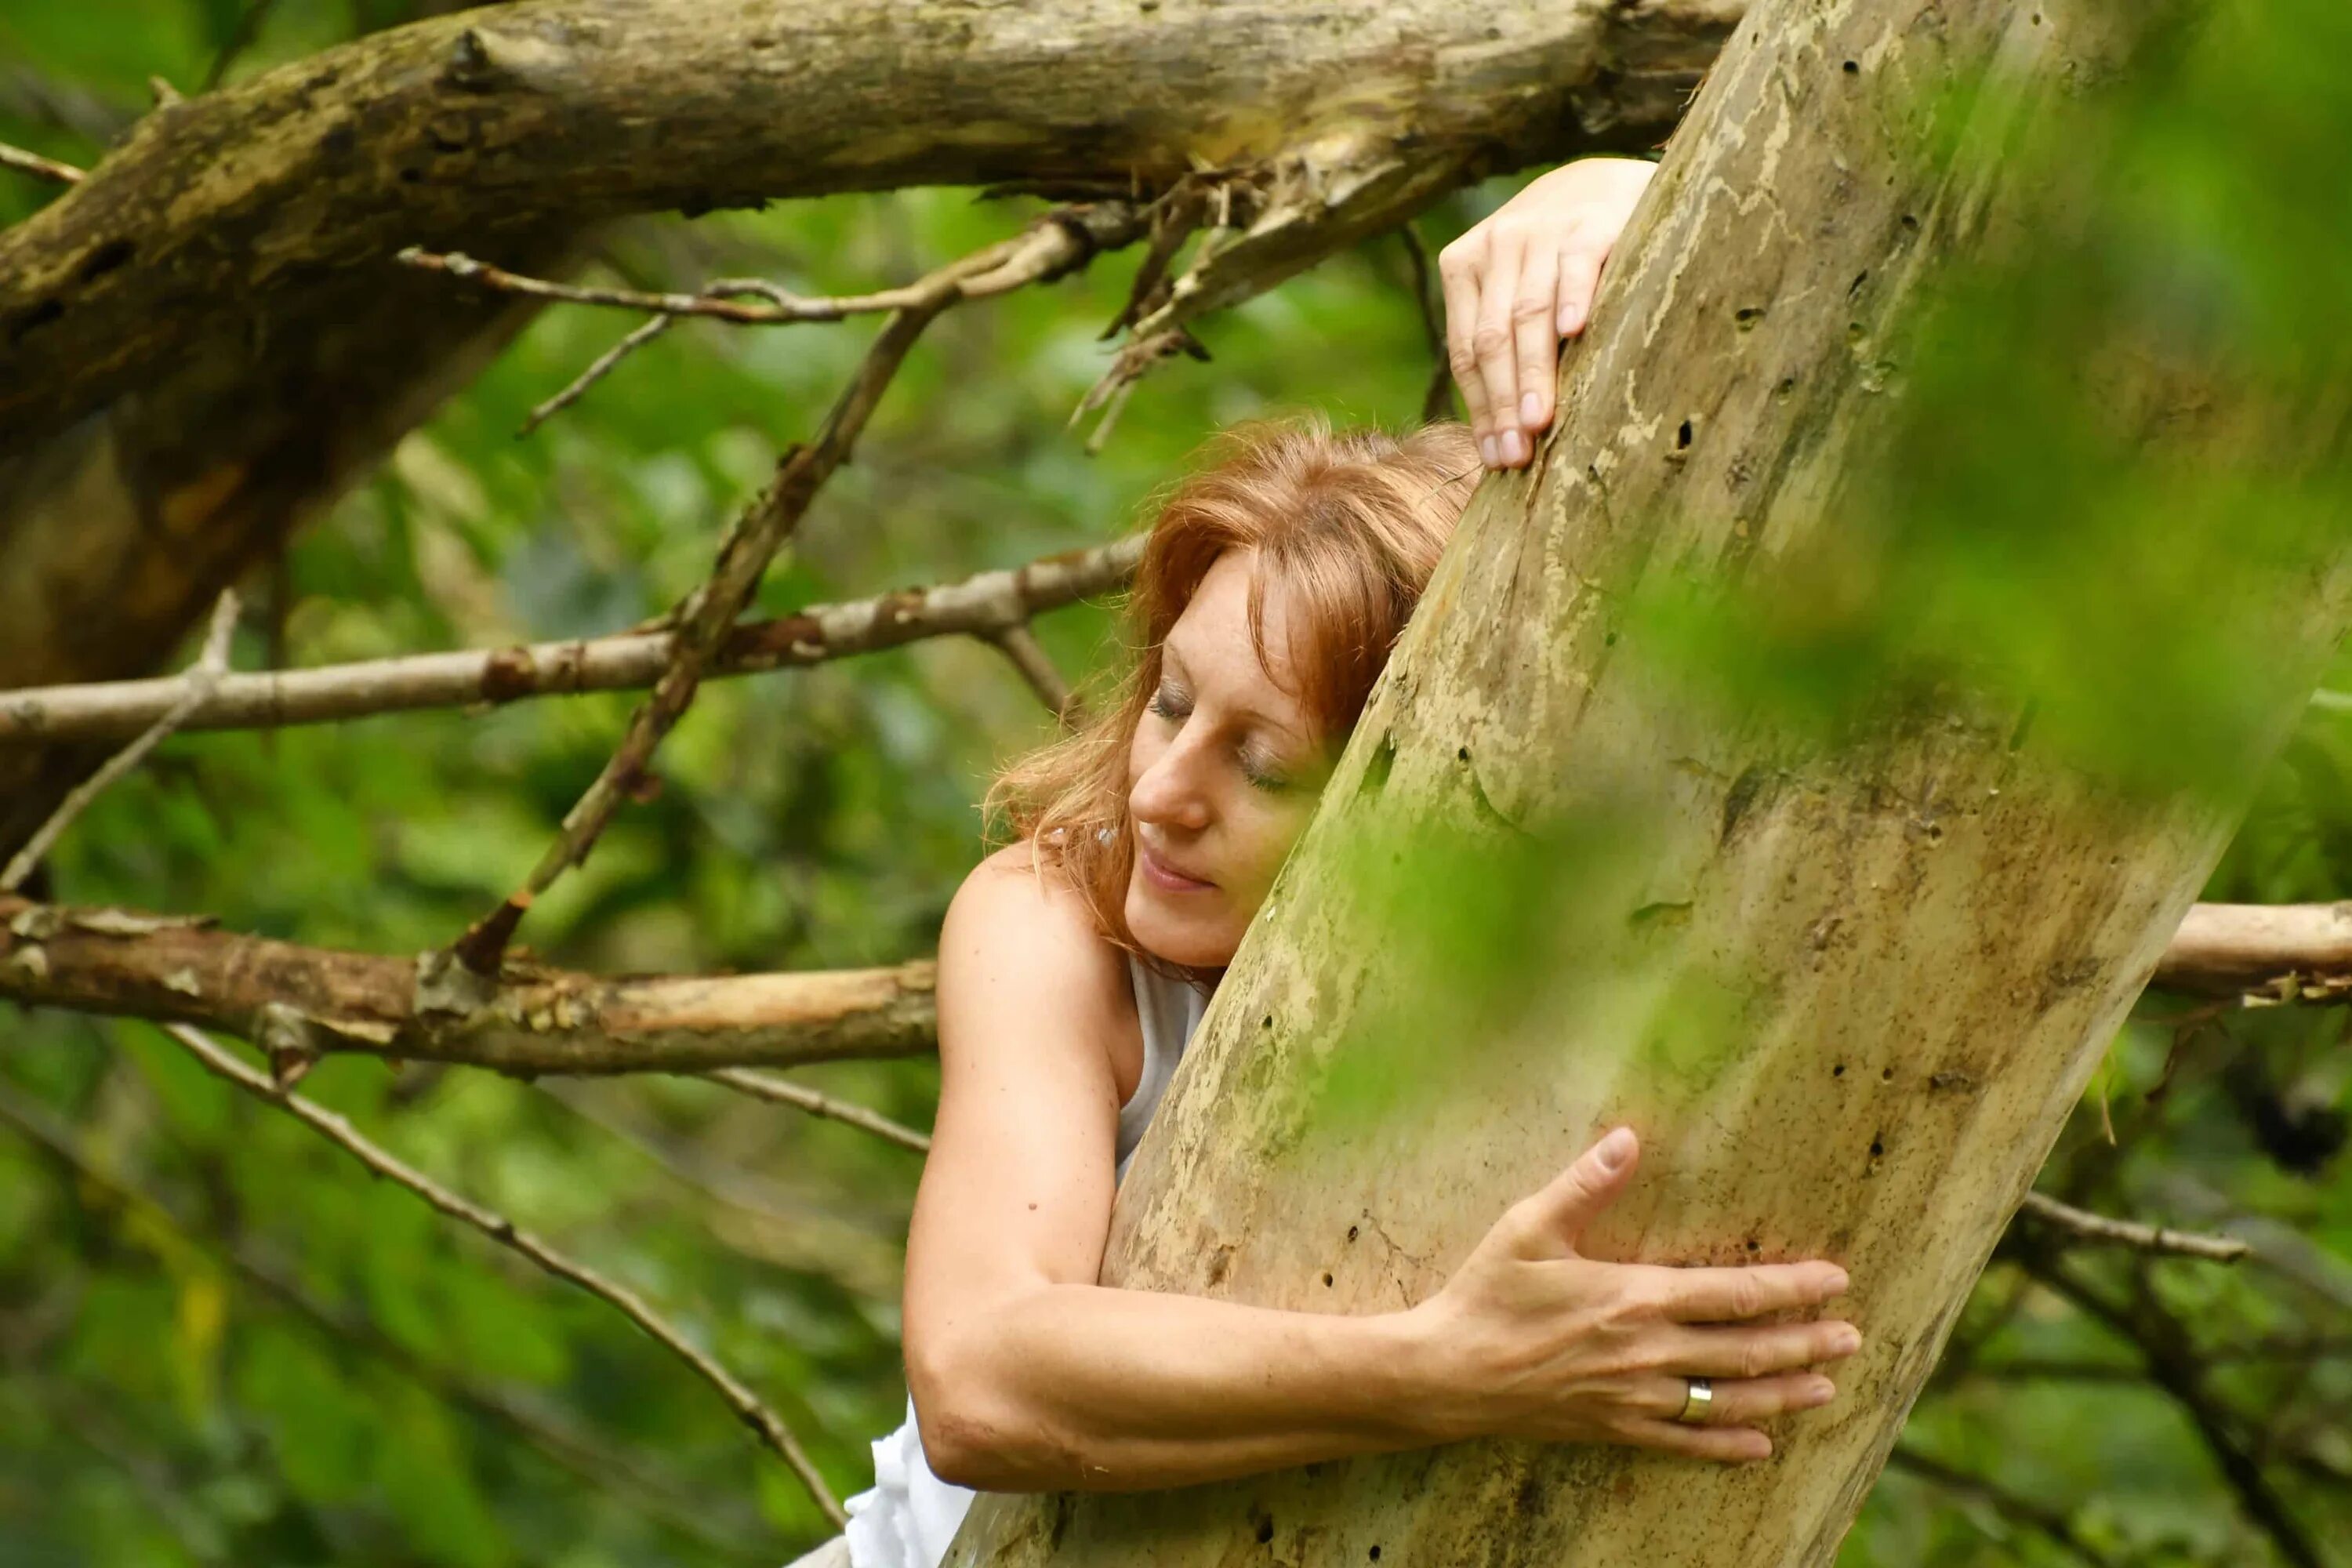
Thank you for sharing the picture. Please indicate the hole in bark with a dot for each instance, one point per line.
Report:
(1682, 438)
(1327, 1281)
(1265, 1531)
(1754, 1245)
(1877, 1146)
(1351, 1233)
(1267, 1022)
(1788, 385)
(1886, 1075)
(411, 176)
(1375, 1555)
(106, 257)
(1910, 224)
(1851, 69)
(1746, 316)
(1854, 287)
(1838, 1071)
(40, 315)
(1376, 772)
(1461, 754)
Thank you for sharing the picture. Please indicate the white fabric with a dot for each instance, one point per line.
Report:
(910, 1515)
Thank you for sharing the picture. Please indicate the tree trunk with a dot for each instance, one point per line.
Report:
(1848, 994)
(206, 340)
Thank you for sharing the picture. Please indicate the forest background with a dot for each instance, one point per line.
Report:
(221, 1341)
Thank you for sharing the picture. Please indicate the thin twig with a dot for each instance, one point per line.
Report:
(1050, 247)
(747, 1406)
(2049, 1521)
(2173, 1365)
(783, 1091)
(33, 164)
(1438, 401)
(978, 605)
(197, 685)
(1029, 657)
(598, 368)
(661, 1497)
(2084, 1226)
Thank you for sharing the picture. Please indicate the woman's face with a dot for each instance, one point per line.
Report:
(1221, 775)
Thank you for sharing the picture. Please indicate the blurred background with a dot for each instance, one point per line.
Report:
(220, 1341)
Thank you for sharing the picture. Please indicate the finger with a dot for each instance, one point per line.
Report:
(1532, 313)
(1580, 280)
(1492, 342)
(1730, 1295)
(1729, 1445)
(1757, 1351)
(1737, 1401)
(1576, 1197)
(1460, 277)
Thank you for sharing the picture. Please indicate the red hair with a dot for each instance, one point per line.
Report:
(1350, 523)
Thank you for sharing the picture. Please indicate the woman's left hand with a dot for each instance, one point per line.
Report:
(1520, 281)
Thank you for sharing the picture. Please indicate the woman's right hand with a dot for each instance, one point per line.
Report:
(1530, 1340)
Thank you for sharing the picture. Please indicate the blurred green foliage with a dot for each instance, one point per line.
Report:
(272, 1359)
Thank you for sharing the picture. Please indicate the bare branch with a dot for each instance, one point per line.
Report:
(747, 1406)
(598, 368)
(2084, 1226)
(195, 686)
(720, 299)
(33, 164)
(1036, 667)
(783, 1091)
(1049, 247)
(661, 1496)
(2261, 953)
(2023, 1510)
(1438, 401)
(980, 606)
(302, 1003)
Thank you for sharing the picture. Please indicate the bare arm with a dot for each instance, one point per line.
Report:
(1028, 1377)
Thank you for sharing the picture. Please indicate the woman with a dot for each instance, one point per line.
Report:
(1074, 962)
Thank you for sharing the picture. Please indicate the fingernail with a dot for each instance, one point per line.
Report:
(1615, 1150)
(1838, 1282)
(1821, 1393)
(1514, 447)
(1761, 1448)
(1530, 410)
(1846, 1340)
(1486, 450)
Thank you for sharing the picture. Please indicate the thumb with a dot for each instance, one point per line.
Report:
(1579, 1196)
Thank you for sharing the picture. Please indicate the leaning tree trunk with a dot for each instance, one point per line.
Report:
(1848, 993)
(207, 340)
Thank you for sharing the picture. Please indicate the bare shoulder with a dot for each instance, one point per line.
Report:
(1017, 935)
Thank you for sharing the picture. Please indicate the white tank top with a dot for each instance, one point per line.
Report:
(910, 1515)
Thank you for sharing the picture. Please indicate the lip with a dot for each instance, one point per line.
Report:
(1167, 879)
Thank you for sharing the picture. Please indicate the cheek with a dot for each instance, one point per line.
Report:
(1263, 833)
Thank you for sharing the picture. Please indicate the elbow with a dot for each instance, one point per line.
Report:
(970, 1426)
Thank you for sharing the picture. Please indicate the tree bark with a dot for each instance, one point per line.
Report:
(206, 340)
(1848, 996)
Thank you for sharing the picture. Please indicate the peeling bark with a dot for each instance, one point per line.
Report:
(1843, 1031)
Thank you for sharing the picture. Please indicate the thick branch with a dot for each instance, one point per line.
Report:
(2279, 952)
(302, 1001)
(983, 606)
(460, 131)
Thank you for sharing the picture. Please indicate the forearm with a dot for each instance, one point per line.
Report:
(1087, 1387)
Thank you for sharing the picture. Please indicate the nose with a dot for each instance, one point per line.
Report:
(1170, 792)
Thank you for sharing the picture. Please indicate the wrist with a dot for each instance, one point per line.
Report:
(1408, 1367)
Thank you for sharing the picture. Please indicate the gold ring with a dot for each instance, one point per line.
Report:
(1697, 1403)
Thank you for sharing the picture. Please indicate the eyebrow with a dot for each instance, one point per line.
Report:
(1167, 652)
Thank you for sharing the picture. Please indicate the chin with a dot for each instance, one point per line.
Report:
(1189, 942)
